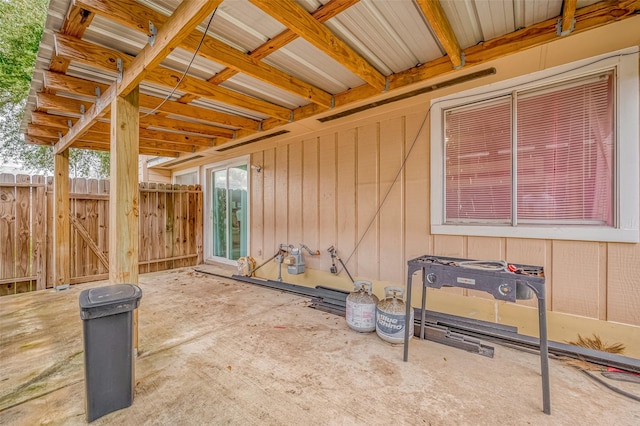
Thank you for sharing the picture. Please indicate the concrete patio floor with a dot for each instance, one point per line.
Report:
(215, 351)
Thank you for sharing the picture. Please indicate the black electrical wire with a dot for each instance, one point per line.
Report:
(184, 74)
(611, 387)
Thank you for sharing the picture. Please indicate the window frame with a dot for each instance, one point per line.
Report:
(626, 192)
(188, 171)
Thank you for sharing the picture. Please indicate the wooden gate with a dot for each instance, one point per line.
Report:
(170, 230)
(22, 233)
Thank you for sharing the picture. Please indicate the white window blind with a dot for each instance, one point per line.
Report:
(565, 153)
(478, 162)
(564, 163)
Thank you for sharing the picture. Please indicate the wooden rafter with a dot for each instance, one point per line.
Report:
(568, 15)
(47, 102)
(134, 15)
(292, 15)
(106, 59)
(78, 86)
(587, 18)
(432, 10)
(185, 18)
(75, 24)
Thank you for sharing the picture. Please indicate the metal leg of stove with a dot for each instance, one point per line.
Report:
(423, 318)
(407, 316)
(544, 354)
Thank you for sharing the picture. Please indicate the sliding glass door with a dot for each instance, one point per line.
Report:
(229, 205)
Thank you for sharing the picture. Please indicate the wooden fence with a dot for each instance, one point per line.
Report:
(170, 230)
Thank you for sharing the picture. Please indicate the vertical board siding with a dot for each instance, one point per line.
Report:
(391, 214)
(257, 206)
(282, 194)
(269, 202)
(327, 197)
(346, 198)
(294, 196)
(366, 257)
(623, 283)
(310, 207)
(576, 267)
(325, 190)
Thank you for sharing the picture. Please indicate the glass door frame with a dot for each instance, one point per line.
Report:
(208, 186)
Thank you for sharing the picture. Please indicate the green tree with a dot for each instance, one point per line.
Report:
(21, 28)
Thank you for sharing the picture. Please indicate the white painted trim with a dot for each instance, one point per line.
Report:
(627, 150)
(205, 178)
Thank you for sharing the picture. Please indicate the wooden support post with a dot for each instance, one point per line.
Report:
(124, 194)
(62, 262)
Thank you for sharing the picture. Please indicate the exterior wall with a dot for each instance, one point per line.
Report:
(151, 175)
(323, 189)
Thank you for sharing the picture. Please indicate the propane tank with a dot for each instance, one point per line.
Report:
(361, 307)
(391, 316)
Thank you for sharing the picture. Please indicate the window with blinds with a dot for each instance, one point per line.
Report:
(542, 156)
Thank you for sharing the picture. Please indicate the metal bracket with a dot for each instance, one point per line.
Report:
(82, 110)
(463, 61)
(97, 93)
(260, 126)
(291, 117)
(386, 84)
(559, 28)
(153, 32)
(120, 70)
(69, 123)
(333, 102)
(59, 135)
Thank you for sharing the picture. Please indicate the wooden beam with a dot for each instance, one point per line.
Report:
(432, 10)
(123, 196)
(51, 120)
(184, 19)
(568, 16)
(184, 126)
(44, 132)
(587, 18)
(78, 86)
(135, 15)
(65, 83)
(322, 14)
(75, 24)
(35, 140)
(159, 135)
(106, 59)
(61, 228)
(49, 102)
(199, 113)
(97, 146)
(103, 139)
(293, 16)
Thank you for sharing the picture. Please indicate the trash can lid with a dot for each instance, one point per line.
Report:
(109, 300)
(108, 294)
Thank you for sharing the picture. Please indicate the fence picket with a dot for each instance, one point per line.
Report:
(170, 230)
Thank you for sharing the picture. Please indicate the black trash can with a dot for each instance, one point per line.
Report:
(107, 314)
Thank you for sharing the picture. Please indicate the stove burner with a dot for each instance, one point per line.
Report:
(505, 281)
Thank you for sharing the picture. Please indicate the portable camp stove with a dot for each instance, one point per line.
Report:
(509, 282)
